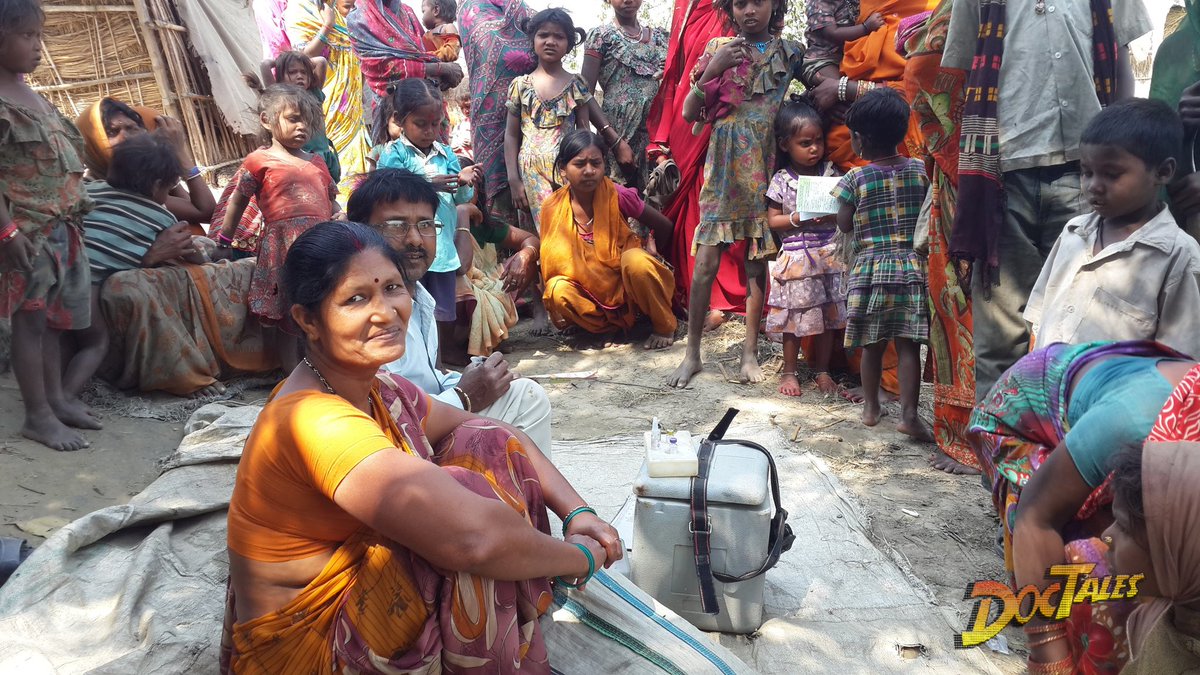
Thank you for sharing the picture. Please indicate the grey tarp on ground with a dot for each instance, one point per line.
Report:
(140, 588)
(225, 36)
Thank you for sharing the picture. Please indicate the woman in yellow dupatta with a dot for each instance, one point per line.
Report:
(315, 27)
(597, 275)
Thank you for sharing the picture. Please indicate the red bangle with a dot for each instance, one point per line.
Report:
(9, 233)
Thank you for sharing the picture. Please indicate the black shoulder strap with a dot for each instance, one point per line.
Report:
(781, 538)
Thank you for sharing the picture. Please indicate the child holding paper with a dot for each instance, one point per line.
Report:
(808, 296)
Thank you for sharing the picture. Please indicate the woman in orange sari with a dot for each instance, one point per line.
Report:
(937, 99)
(596, 274)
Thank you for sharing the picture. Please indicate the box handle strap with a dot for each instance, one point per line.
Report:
(781, 538)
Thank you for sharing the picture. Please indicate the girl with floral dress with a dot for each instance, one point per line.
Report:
(737, 86)
(627, 60)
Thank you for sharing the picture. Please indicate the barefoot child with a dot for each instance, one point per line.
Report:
(886, 294)
(808, 294)
(442, 40)
(44, 279)
(418, 110)
(294, 190)
(129, 228)
(1126, 271)
(737, 86)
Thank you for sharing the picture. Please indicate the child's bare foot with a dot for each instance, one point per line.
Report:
(825, 384)
(683, 374)
(50, 432)
(871, 415)
(656, 341)
(751, 372)
(714, 319)
(855, 395)
(214, 389)
(943, 462)
(917, 428)
(789, 385)
(76, 414)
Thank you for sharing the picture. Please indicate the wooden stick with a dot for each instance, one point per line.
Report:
(88, 9)
(157, 61)
(66, 86)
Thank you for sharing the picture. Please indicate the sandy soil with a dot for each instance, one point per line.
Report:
(946, 545)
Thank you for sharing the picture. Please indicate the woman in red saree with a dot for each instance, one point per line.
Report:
(695, 22)
(937, 99)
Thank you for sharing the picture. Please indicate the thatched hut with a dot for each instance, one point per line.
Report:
(140, 52)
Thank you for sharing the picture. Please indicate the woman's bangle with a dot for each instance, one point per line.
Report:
(1044, 628)
(223, 238)
(792, 219)
(464, 229)
(698, 92)
(10, 236)
(841, 92)
(466, 400)
(590, 573)
(193, 172)
(1047, 639)
(570, 516)
(1061, 667)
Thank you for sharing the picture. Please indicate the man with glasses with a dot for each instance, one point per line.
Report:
(402, 204)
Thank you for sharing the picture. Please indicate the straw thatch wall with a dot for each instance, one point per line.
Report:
(136, 51)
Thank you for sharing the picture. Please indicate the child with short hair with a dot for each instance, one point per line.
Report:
(738, 85)
(886, 295)
(808, 285)
(44, 278)
(442, 40)
(294, 190)
(130, 228)
(1126, 271)
(417, 109)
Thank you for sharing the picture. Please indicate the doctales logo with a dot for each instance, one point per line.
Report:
(1071, 586)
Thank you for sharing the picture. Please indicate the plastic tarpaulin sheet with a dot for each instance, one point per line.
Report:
(225, 36)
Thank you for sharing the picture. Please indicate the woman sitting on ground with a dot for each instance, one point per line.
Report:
(108, 121)
(161, 319)
(597, 274)
(1045, 436)
(373, 528)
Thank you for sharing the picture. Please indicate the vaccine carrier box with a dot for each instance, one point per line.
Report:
(740, 508)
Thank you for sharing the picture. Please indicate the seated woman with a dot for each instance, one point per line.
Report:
(1045, 436)
(161, 320)
(1156, 514)
(108, 121)
(597, 274)
(373, 528)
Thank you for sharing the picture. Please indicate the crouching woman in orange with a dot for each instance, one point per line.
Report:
(373, 529)
(598, 277)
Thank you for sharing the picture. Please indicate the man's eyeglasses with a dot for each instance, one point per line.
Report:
(401, 228)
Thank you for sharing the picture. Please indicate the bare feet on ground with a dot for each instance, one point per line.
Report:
(825, 384)
(656, 341)
(871, 416)
(943, 462)
(688, 369)
(715, 318)
(789, 385)
(50, 432)
(855, 395)
(751, 372)
(917, 428)
(541, 320)
(76, 414)
(214, 389)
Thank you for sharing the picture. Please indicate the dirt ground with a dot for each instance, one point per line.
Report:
(938, 527)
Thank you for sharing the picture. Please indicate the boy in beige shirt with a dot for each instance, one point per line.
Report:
(1126, 271)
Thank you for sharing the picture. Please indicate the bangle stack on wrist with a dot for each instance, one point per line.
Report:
(842, 84)
(570, 516)
(10, 236)
(590, 573)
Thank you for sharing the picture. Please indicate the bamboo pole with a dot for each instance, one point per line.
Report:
(90, 9)
(94, 83)
(154, 50)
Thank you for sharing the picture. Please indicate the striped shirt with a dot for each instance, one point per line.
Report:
(121, 229)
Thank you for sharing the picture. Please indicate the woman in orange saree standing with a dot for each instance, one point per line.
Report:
(937, 99)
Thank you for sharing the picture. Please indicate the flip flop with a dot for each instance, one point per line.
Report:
(13, 552)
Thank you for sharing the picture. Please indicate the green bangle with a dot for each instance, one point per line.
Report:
(590, 573)
(571, 515)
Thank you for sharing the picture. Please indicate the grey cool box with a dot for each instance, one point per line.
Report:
(740, 507)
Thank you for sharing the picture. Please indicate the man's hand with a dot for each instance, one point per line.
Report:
(486, 382)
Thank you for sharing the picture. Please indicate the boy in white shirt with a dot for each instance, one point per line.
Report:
(1126, 271)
